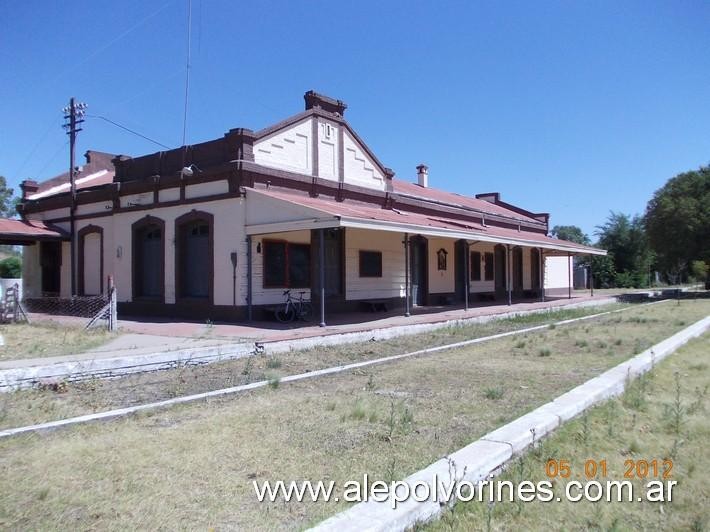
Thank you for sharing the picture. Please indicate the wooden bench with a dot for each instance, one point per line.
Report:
(375, 305)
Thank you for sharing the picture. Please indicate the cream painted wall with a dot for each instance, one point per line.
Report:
(558, 271)
(441, 281)
(31, 271)
(391, 284)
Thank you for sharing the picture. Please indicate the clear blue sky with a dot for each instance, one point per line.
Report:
(575, 108)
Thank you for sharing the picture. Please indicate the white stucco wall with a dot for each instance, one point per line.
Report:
(228, 237)
(290, 149)
(359, 168)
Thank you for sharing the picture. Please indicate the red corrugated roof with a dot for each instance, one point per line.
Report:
(427, 193)
(28, 230)
(370, 212)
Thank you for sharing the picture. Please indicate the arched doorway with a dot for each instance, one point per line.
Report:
(91, 260)
(148, 264)
(194, 256)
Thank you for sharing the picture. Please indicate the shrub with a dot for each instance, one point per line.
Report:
(699, 270)
(493, 393)
(11, 268)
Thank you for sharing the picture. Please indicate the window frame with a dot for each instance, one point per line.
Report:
(362, 253)
(475, 259)
(489, 266)
(265, 242)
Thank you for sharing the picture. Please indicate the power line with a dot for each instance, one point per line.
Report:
(129, 130)
(52, 124)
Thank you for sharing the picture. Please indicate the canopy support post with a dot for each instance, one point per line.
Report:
(321, 274)
(406, 275)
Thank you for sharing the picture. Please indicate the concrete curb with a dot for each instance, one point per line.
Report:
(482, 458)
(110, 414)
(76, 370)
(102, 368)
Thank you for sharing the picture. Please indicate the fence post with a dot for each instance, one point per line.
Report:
(113, 313)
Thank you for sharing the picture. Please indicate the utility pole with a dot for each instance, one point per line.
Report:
(74, 115)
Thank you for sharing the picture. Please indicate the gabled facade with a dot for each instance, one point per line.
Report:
(220, 229)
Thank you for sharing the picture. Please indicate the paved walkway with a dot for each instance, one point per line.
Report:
(270, 331)
(144, 337)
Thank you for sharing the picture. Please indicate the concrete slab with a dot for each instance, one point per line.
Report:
(521, 433)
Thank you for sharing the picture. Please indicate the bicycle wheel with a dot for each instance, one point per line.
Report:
(306, 312)
(286, 314)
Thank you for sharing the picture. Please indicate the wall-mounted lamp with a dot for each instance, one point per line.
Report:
(119, 252)
(258, 247)
(189, 171)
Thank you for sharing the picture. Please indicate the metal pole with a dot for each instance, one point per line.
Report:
(72, 185)
(591, 276)
(249, 289)
(321, 274)
(507, 274)
(74, 113)
(406, 275)
(569, 275)
(542, 276)
(467, 274)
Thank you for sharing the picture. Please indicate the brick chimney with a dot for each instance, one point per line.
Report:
(328, 104)
(28, 188)
(423, 175)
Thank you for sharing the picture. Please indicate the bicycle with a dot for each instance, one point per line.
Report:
(294, 308)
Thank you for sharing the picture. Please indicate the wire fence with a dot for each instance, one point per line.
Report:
(100, 310)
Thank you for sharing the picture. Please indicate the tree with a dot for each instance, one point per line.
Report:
(678, 221)
(8, 203)
(571, 233)
(625, 239)
(11, 268)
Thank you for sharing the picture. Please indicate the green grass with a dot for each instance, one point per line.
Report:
(662, 416)
(36, 406)
(48, 339)
(192, 466)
